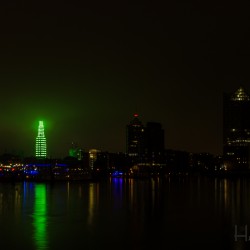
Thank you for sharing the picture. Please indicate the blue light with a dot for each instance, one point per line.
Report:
(31, 172)
(61, 165)
(38, 165)
(117, 173)
(45, 165)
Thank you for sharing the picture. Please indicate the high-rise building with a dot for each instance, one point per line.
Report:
(154, 142)
(41, 147)
(93, 153)
(236, 128)
(135, 139)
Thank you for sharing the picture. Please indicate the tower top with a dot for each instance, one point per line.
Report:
(240, 95)
(135, 121)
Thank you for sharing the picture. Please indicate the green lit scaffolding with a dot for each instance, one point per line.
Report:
(41, 147)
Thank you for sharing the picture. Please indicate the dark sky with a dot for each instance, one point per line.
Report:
(85, 67)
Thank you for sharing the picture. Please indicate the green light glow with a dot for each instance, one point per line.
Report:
(41, 148)
(40, 220)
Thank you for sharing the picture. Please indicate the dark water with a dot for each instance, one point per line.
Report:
(174, 213)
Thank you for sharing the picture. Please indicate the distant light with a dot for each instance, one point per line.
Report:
(61, 165)
(240, 95)
(38, 165)
(117, 173)
(136, 115)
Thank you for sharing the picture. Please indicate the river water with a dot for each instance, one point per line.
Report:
(159, 213)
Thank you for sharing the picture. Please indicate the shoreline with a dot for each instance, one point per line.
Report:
(89, 178)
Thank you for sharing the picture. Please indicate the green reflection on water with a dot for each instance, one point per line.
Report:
(40, 220)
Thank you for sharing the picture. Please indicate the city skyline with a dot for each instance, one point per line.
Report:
(67, 149)
(86, 68)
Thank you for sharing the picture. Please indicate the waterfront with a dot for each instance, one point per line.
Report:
(172, 213)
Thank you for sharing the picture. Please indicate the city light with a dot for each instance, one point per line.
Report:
(41, 147)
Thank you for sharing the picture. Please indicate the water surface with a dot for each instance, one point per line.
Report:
(170, 213)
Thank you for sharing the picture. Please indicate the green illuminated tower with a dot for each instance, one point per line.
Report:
(41, 148)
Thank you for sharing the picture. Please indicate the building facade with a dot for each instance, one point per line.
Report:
(236, 129)
(145, 144)
(154, 142)
(41, 146)
(135, 139)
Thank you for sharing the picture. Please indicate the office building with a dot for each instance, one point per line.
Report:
(135, 140)
(236, 129)
(154, 142)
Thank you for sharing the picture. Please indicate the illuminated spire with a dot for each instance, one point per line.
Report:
(240, 95)
(41, 148)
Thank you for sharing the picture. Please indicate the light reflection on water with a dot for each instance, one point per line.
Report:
(175, 213)
(92, 201)
(40, 217)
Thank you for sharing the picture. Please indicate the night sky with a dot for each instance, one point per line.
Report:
(85, 67)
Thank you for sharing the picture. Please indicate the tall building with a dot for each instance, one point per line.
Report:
(154, 142)
(93, 153)
(135, 139)
(236, 128)
(41, 147)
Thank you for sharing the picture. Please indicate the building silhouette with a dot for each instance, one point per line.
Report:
(236, 129)
(145, 144)
(154, 142)
(41, 146)
(93, 153)
(135, 139)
